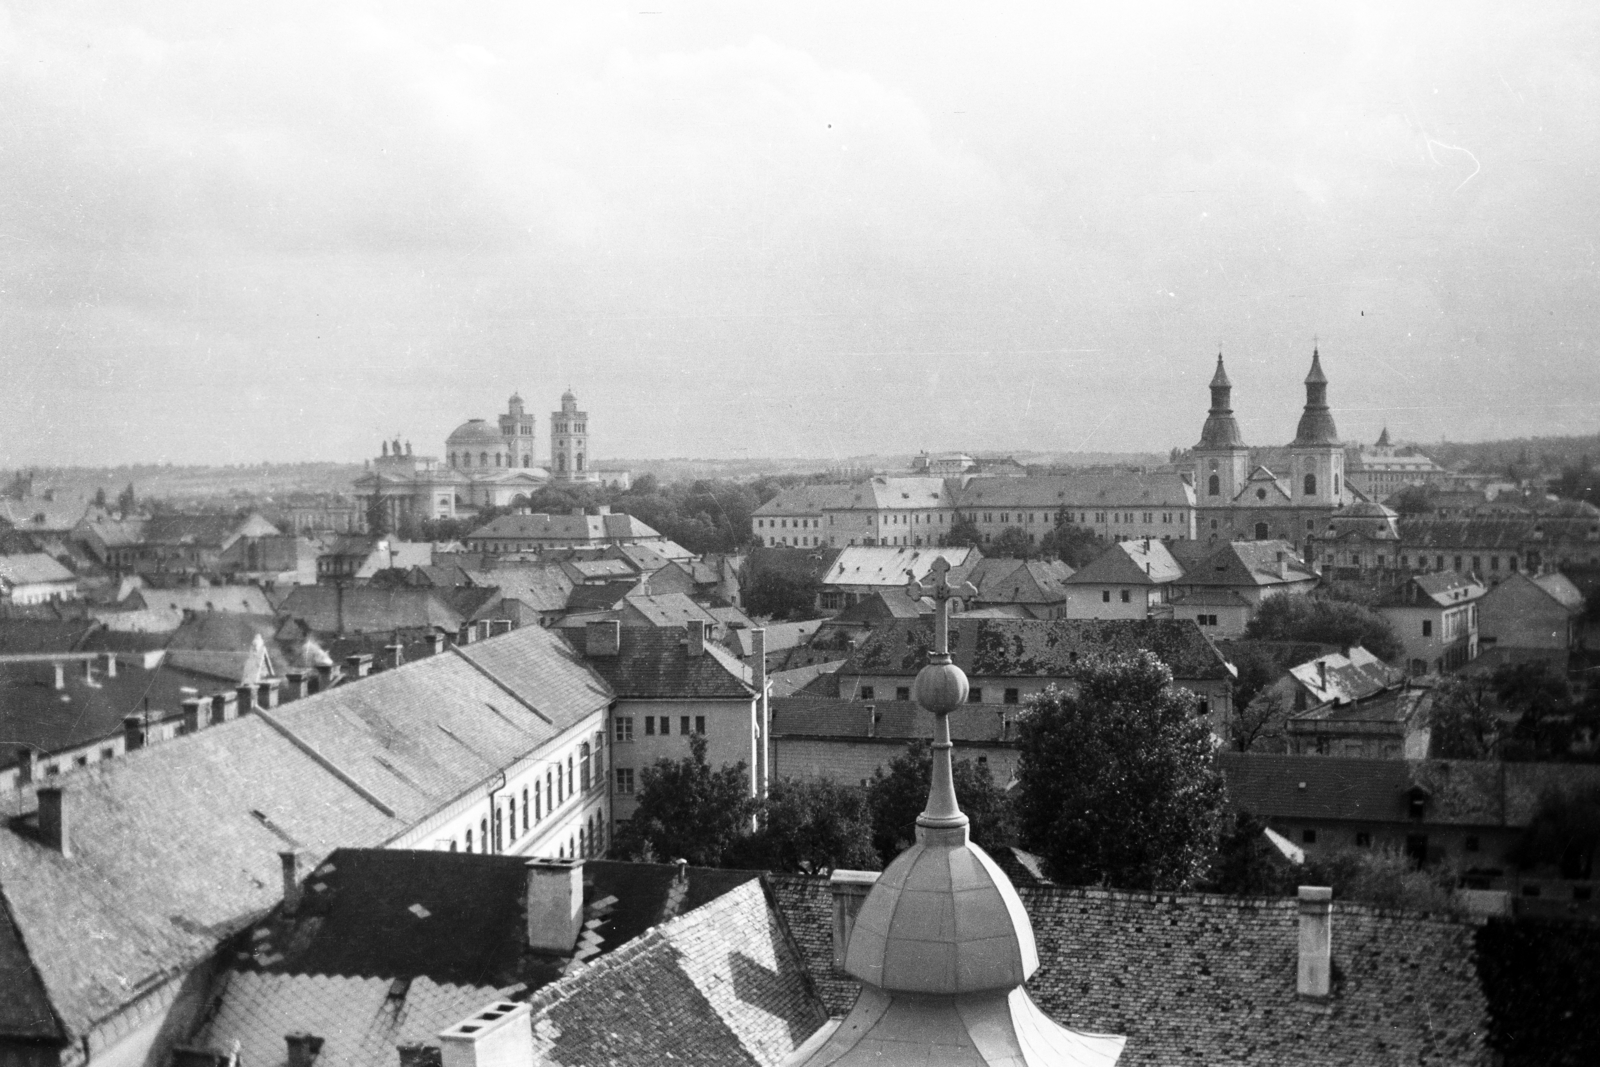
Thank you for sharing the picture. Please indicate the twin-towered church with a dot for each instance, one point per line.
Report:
(484, 465)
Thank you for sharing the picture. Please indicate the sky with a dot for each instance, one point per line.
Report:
(282, 232)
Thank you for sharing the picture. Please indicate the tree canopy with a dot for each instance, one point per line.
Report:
(1324, 621)
(900, 795)
(1118, 782)
(689, 811)
(810, 825)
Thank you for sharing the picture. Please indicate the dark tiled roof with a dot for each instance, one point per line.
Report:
(602, 597)
(327, 609)
(32, 567)
(1037, 647)
(1130, 563)
(1194, 979)
(21, 636)
(654, 663)
(540, 588)
(1079, 489)
(883, 604)
(1250, 564)
(244, 599)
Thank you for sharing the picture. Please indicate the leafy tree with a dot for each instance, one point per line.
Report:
(1071, 543)
(1260, 725)
(898, 797)
(1385, 877)
(1544, 709)
(1247, 864)
(810, 825)
(963, 533)
(1012, 543)
(1325, 621)
(689, 811)
(1119, 783)
(1257, 669)
(644, 485)
(1463, 721)
(781, 595)
(1565, 832)
(1412, 500)
(126, 501)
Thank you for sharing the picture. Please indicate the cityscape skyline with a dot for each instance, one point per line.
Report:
(738, 232)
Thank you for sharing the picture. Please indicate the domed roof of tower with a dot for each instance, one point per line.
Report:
(1316, 422)
(1221, 429)
(475, 432)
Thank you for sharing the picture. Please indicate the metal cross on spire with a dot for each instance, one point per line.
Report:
(941, 687)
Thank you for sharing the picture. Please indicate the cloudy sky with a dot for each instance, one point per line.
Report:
(233, 233)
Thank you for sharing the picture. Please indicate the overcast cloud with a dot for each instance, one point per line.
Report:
(231, 233)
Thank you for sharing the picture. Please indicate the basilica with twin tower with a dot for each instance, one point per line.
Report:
(484, 465)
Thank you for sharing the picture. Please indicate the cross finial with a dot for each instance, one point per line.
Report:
(937, 585)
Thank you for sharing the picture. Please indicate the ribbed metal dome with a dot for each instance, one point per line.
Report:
(476, 432)
(1316, 423)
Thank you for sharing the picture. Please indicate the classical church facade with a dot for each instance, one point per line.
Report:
(484, 465)
(1239, 497)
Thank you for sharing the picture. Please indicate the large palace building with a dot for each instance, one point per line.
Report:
(484, 465)
(1289, 494)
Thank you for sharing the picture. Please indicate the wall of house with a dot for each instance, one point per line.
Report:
(1445, 843)
(730, 732)
(1452, 640)
(1215, 619)
(1106, 601)
(1521, 615)
(853, 760)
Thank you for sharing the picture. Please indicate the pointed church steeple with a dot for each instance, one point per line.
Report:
(1316, 423)
(1221, 430)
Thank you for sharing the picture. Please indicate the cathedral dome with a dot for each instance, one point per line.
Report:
(473, 434)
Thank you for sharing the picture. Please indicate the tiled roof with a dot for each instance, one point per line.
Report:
(1130, 563)
(669, 610)
(599, 597)
(365, 609)
(1503, 534)
(18, 636)
(654, 663)
(360, 1019)
(800, 563)
(31, 568)
(540, 588)
(1439, 588)
(808, 500)
(1030, 582)
(805, 716)
(1211, 598)
(1460, 792)
(894, 567)
(1087, 489)
(1561, 590)
(591, 570)
(245, 599)
(1194, 979)
(176, 845)
(1250, 564)
(37, 513)
(883, 604)
(1344, 678)
(541, 527)
(1047, 648)
(788, 682)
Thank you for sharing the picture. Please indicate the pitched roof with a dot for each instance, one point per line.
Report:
(18, 636)
(38, 513)
(807, 500)
(540, 588)
(653, 662)
(1024, 582)
(1144, 562)
(1435, 589)
(789, 682)
(1079, 489)
(1561, 590)
(894, 567)
(668, 610)
(883, 604)
(600, 596)
(1211, 979)
(365, 609)
(1048, 648)
(616, 526)
(245, 599)
(32, 568)
(1345, 678)
(1250, 564)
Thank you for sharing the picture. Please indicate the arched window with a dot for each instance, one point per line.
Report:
(1335, 485)
(483, 833)
(571, 781)
(561, 463)
(513, 818)
(584, 766)
(452, 459)
(499, 829)
(1214, 486)
(580, 461)
(549, 792)
(1261, 531)
(497, 457)
(524, 809)
(527, 461)
(469, 840)
(1311, 485)
(483, 459)
(583, 841)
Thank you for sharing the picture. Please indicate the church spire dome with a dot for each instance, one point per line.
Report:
(1221, 430)
(1316, 423)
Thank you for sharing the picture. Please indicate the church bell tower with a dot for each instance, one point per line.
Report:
(1222, 462)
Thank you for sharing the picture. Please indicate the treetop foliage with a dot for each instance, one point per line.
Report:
(1325, 621)
(900, 795)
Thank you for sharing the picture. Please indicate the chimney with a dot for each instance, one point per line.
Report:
(1283, 567)
(602, 638)
(111, 664)
(53, 819)
(697, 637)
(61, 674)
(483, 629)
(191, 714)
(223, 707)
(436, 642)
(850, 889)
(1316, 941)
(872, 720)
(299, 684)
(498, 1036)
(555, 905)
(267, 693)
(247, 698)
(1322, 673)
(358, 665)
(397, 654)
(464, 635)
(132, 732)
(324, 676)
(303, 1048)
(291, 880)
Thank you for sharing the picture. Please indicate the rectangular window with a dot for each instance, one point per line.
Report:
(699, 724)
(1126, 597)
(867, 692)
(624, 727)
(1427, 627)
(1472, 843)
(975, 695)
(1494, 563)
(1105, 596)
(1308, 837)
(902, 692)
(1363, 840)
(625, 781)
(1012, 696)
(683, 725)
(649, 725)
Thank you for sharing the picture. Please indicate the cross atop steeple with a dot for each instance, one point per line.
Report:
(937, 585)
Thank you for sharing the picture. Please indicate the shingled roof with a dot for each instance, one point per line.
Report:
(366, 609)
(1048, 648)
(1195, 979)
(654, 662)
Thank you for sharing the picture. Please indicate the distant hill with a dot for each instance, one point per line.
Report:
(1531, 453)
(259, 482)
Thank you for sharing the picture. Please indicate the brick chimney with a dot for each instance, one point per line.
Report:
(192, 717)
(1316, 941)
(602, 638)
(465, 635)
(696, 629)
(850, 889)
(61, 674)
(299, 684)
(303, 1048)
(111, 664)
(498, 1036)
(397, 654)
(132, 732)
(555, 904)
(224, 707)
(436, 642)
(267, 694)
(358, 665)
(290, 859)
(53, 825)
(324, 677)
(247, 698)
